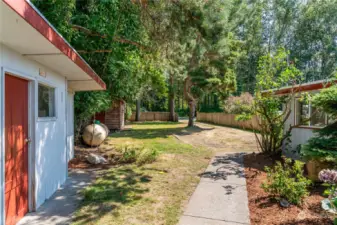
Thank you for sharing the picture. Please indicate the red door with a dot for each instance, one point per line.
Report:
(16, 148)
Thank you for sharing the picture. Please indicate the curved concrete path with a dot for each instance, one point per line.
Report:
(221, 196)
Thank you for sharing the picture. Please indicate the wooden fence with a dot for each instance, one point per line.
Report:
(153, 116)
(228, 120)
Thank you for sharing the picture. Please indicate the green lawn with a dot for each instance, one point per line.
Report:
(150, 194)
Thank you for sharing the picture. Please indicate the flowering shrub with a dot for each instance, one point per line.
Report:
(239, 104)
(329, 177)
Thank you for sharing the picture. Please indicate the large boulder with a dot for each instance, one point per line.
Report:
(94, 134)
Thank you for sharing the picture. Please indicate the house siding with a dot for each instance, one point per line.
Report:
(49, 144)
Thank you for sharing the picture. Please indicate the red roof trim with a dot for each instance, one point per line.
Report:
(304, 87)
(31, 16)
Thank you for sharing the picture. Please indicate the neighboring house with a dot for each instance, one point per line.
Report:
(304, 115)
(40, 72)
(113, 118)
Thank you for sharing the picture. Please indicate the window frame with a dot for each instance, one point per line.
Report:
(310, 111)
(48, 118)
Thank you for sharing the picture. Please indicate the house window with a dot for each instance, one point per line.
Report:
(308, 115)
(46, 101)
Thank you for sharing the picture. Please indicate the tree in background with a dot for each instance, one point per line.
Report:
(154, 50)
(314, 43)
(111, 38)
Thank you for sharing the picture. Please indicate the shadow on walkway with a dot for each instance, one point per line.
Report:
(61, 206)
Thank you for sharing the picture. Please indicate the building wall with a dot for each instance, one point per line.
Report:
(48, 148)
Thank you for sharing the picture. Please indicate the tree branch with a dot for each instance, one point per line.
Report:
(94, 51)
(115, 38)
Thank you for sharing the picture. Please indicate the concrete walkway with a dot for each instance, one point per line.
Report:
(221, 196)
(59, 209)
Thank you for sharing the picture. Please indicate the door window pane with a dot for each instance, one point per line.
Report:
(46, 101)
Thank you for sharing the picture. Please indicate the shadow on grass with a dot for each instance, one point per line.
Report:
(115, 187)
(161, 131)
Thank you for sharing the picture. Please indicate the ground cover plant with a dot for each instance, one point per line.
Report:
(145, 193)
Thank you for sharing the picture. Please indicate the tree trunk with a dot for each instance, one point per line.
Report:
(137, 110)
(191, 105)
(190, 100)
(171, 100)
(171, 107)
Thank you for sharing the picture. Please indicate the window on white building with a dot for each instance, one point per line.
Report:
(308, 115)
(46, 101)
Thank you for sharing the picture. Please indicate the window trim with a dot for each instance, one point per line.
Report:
(307, 126)
(50, 118)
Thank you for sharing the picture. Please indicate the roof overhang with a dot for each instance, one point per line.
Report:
(25, 30)
(311, 86)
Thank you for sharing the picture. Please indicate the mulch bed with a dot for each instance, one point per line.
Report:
(264, 210)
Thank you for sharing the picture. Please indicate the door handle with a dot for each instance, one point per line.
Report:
(28, 140)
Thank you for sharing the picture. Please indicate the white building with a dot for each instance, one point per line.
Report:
(302, 116)
(39, 74)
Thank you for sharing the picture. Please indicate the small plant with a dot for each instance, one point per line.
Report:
(287, 181)
(129, 154)
(139, 155)
(146, 156)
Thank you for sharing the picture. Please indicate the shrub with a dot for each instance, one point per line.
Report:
(139, 155)
(274, 72)
(239, 104)
(287, 181)
(146, 156)
(129, 154)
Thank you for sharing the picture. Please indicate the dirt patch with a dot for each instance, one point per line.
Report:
(219, 139)
(264, 210)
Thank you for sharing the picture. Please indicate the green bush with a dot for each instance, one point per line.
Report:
(146, 156)
(128, 111)
(182, 112)
(129, 154)
(287, 181)
(138, 155)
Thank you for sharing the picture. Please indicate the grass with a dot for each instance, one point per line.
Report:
(150, 194)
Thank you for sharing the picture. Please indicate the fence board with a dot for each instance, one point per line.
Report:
(152, 116)
(228, 120)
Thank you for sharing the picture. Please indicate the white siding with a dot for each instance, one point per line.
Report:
(49, 144)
